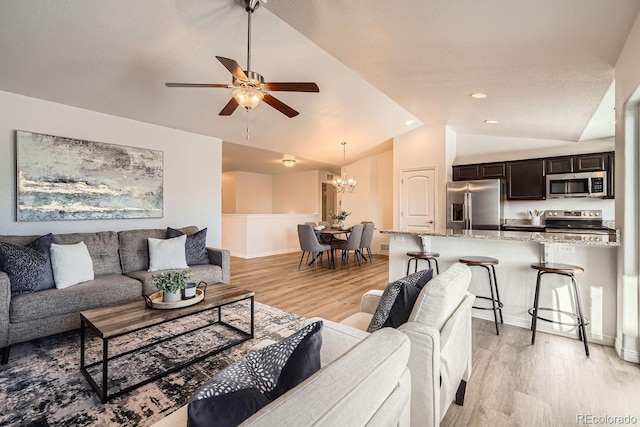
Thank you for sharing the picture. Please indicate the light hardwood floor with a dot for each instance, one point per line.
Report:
(513, 383)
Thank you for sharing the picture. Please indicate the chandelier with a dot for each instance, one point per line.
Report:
(344, 185)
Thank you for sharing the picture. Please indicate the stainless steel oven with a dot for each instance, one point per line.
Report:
(582, 184)
(582, 225)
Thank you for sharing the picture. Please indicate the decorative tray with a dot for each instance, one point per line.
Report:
(155, 301)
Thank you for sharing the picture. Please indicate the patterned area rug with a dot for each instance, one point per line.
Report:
(42, 384)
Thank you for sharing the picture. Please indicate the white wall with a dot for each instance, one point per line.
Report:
(229, 192)
(627, 197)
(422, 147)
(485, 148)
(298, 192)
(192, 183)
(253, 193)
(373, 198)
(259, 235)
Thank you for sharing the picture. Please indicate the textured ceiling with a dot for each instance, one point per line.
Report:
(546, 65)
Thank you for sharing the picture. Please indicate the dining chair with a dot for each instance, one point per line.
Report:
(311, 246)
(365, 241)
(351, 244)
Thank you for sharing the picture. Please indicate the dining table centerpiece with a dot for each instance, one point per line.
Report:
(338, 218)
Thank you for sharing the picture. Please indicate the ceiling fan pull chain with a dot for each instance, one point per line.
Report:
(247, 124)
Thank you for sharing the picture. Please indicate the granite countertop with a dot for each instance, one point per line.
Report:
(521, 236)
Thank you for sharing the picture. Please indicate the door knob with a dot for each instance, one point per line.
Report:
(430, 222)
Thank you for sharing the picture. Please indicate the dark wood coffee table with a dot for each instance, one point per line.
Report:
(119, 320)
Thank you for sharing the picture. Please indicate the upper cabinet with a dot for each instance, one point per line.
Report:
(525, 180)
(578, 163)
(479, 171)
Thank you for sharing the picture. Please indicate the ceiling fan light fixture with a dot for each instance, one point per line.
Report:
(247, 97)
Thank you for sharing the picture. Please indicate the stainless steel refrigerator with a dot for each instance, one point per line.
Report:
(476, 205)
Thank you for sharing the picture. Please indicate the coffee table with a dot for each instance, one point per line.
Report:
(119, 320)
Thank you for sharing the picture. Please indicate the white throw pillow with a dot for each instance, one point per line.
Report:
(165, 254)
(71, 264)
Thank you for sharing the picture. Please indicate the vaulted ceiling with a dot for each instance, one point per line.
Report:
(546, 66)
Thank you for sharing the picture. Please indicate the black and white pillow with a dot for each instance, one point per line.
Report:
(196, 246)
(243, 388)
(28, 267)
(398, 300)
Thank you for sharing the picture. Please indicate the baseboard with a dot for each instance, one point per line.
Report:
(542, 327)
(626, 355)
(263, 254)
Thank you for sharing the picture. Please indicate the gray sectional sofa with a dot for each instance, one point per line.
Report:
(120, 263)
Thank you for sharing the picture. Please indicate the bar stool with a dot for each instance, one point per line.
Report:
(427, 256)
(563, 270)
(488, 264)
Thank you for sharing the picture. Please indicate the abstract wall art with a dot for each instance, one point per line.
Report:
(72, 179)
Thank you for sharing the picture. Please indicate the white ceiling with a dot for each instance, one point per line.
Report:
(545, 64)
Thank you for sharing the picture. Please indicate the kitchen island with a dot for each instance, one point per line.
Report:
(516, 251)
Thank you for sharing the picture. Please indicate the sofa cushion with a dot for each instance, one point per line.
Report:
(71, 264)
(28, 267)
(167, 254)
(102, 247)
(110, 289)
(439, 300)
(397, 301)
(207, 273)
(195, 247)
(134, 246)
(241, 389)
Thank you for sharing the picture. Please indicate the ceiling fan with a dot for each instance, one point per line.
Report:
(250, 87)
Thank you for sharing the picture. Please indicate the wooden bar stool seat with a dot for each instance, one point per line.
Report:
(580, 321)
(488, 264)
(426, 256)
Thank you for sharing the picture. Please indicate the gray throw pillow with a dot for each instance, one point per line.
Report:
(28, 267)
(397, 301)
(196, 246)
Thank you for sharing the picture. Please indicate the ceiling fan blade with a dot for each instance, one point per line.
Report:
(229, 108)
(280, 106)
(233, 67)
(292, 87)
(196, 85)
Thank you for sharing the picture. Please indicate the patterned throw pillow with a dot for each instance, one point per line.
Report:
(28, 267)
(196, 246)
(243, 388)
(397, 301)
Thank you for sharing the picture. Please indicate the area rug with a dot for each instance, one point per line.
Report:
(42, 385)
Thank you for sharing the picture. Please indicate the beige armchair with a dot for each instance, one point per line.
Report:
(439, 329)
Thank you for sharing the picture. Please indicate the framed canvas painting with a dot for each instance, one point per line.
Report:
(72, 179)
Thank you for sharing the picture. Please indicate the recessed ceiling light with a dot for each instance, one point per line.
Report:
(478, 95)
(491, 122)
(409, 122)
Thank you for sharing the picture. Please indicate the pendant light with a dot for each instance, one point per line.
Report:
(344, 185)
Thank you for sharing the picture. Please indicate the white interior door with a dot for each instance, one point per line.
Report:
(418, 200)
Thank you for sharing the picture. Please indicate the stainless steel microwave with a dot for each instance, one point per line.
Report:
(582, 184)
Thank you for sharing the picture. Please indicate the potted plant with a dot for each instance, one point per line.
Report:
(338, 218)
(171, 283)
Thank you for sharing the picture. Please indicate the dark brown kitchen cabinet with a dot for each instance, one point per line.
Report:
(479, 171)
(611, 177)
(526, 180)
(591, 162)
(559, 165)
(492, 170)
(466, 172)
